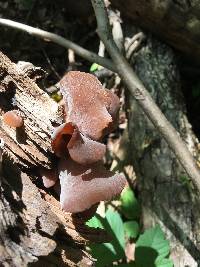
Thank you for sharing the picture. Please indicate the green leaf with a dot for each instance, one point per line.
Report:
(107, 253)
(95, 223)
(152, 248)
(145, 256)
(116, 224)
(131, 229)
(155, 239)
(94, 67)
(104, 254)
(129, 204)
(164, 263)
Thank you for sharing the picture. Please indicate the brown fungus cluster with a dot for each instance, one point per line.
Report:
(91, 112)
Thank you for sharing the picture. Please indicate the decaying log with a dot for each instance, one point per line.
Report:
(177, 22)
(34, 231)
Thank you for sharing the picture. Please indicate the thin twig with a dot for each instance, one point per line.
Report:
(101, 52)
(134, 44)
(55, 38)
(117, 32)
(50, 64)
(72, 62)
(143, 97)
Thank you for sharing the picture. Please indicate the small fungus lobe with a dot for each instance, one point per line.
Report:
(49, 177)
(13, 119)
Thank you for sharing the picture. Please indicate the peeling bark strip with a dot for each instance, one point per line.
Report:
(33, 228)
(177, 22)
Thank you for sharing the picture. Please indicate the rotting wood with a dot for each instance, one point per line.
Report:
(34, 231)
(31, 144)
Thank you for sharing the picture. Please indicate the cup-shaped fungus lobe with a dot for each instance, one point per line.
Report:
(87, 103)
(13, 119)
(84, 185)
(61, 137)
(81, 149)
(84, 150)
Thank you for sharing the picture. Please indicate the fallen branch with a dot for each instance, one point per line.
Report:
(57, 39)
(143, 97)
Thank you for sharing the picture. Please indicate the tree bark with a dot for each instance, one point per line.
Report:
(177, 22)
(167, 195)
(34, 231)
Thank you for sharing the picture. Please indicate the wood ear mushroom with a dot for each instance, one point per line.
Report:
(13, 119)
(91, 111)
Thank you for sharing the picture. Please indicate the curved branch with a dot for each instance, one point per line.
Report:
(143, 97)
(57, 39)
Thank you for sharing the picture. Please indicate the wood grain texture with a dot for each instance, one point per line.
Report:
(31, 144)
(34, 231)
